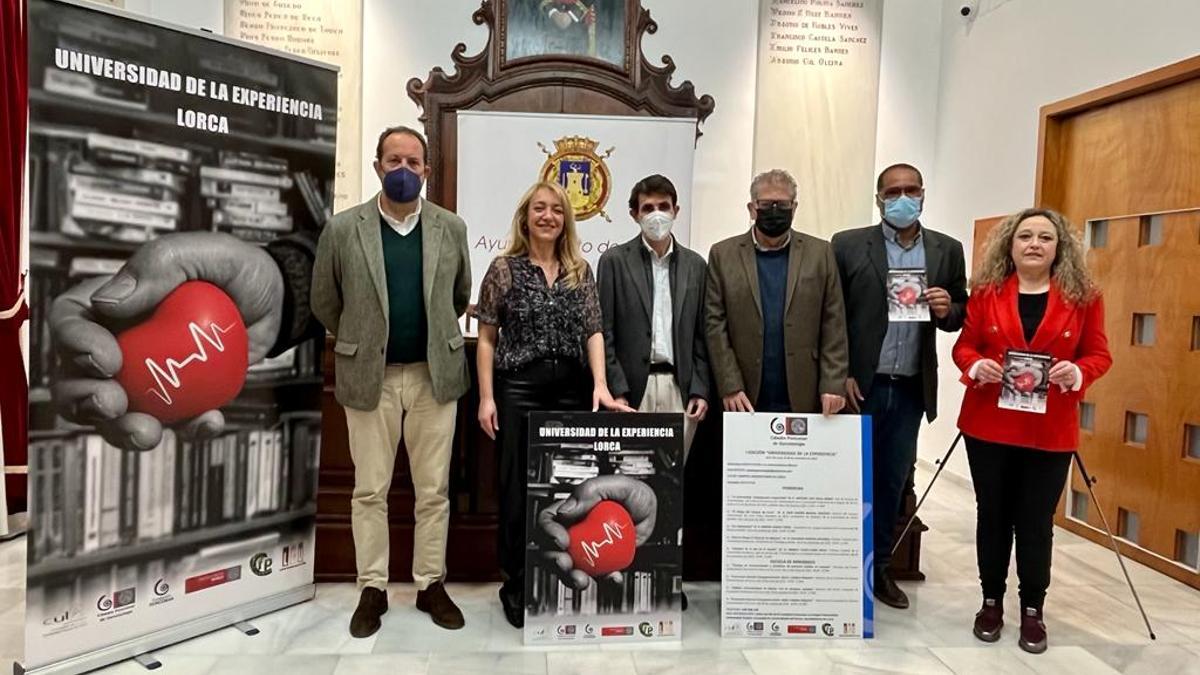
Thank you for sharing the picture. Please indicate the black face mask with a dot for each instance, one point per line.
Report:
(773, 222)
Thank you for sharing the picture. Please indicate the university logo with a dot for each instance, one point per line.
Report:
(575, 166)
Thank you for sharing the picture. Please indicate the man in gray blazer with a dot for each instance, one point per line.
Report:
(893, 364)
(657, 360)
(392, 276)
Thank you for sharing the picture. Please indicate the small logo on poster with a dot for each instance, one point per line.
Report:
(754, 626)
(616, 631)
(162, 593)
(210, 579)
(646, 629)
(260, 564)
(794, 629)
(117, 603)
(666, 628)
(776, 628)
(849, 629)
(66, 620)
(292, 556)
(827, 629)
(589, 631)
(566, 630)
(789, 426)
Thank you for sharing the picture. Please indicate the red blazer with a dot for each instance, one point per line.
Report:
(1074, 333)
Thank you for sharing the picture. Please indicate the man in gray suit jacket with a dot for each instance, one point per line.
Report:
(893, 364)
(391, 278)
(657, 360)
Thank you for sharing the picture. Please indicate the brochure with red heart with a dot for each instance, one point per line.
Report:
(1026, 382)
(188, 357)
(906, 294)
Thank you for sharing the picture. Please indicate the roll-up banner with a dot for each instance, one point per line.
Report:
(174, 434)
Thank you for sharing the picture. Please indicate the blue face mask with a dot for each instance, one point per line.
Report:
(902, 211)
(401, 185)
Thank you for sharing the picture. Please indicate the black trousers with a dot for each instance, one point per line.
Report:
(545, 384)
(896, 405)
(1016, 494)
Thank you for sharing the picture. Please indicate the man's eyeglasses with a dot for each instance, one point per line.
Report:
(771, 205)
(893, 193)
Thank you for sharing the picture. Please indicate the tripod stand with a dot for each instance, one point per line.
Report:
(1087, 480)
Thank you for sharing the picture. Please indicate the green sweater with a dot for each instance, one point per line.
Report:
(408, 332)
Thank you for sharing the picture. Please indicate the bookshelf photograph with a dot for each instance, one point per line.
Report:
(112, 168)
(557, 466)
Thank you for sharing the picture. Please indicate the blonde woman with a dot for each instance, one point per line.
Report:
(540, 348)
(1032, 294)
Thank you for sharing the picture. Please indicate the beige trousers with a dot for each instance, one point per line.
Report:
(663, 395)
(406, 409)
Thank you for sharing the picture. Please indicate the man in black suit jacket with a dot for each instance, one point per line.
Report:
(893, 364)
(657, 359)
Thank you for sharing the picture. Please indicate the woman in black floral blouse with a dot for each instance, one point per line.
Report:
(539, 336)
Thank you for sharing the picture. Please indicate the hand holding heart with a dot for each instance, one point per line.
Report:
(84, 322)
(558, 535)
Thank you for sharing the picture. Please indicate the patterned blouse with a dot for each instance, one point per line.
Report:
(535, 320)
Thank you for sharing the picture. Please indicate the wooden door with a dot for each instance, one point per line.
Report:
(1123, 163)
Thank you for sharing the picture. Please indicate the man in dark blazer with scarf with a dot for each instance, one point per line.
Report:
(893, 364)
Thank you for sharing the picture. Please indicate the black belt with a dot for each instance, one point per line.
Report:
(662, 367)
(897, 378)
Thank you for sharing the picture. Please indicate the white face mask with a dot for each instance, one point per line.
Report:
(656, 225)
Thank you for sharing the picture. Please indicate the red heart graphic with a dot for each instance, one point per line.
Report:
(190, 356)
(1025, 382)
(907, 295)
(604, 541)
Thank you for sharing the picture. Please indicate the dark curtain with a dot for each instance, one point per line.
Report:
(14, 389)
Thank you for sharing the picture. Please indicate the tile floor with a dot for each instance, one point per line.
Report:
(1093, 624)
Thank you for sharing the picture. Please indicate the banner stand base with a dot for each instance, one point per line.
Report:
(132, 649)
(18, 524)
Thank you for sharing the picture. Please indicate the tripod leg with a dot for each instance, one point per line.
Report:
(1087, 480)
(911, 518)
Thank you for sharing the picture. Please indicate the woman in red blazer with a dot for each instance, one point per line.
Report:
(1033, 295)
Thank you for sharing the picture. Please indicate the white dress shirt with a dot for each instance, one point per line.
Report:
(662, 348)
(402, 227)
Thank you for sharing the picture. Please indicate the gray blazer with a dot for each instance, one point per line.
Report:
(626, 293)
(349, 296)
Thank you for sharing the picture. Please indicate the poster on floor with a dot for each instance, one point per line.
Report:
(604, 561)
(174, 419)
(796, 526)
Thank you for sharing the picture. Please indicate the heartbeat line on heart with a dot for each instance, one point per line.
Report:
(592, 549)
(169, 375)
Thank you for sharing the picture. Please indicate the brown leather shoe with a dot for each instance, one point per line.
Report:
(372, 604)
(887, 592)
(437, 603)
(989, 620)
